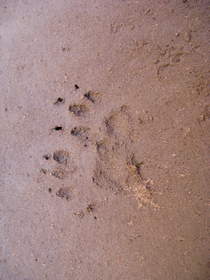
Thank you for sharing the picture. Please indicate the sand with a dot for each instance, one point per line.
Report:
(104, 158)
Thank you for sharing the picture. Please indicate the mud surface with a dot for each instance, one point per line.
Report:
(104, 140)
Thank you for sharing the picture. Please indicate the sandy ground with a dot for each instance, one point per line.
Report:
(104, 118)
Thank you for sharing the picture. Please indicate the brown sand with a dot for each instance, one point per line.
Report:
(104, 139)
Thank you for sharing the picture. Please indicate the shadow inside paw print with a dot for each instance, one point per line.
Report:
(78, 109)
(63, 193)
(61, 156)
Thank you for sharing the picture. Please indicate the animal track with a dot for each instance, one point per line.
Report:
(78, 109)
(102, 149)
(59, 173)
(64, 164)
(81, 132)
(167, 56)
(61, 156)
(59, 100)
(104, 179)
(63, 193)
(117, 168)
(118, 123)
(92, 96)
(111, 171)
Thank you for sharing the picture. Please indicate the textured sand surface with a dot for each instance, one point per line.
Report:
(104, 133)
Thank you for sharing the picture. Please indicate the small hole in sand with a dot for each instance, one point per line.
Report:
(58, 128)
(59, 100)
(47, 156)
